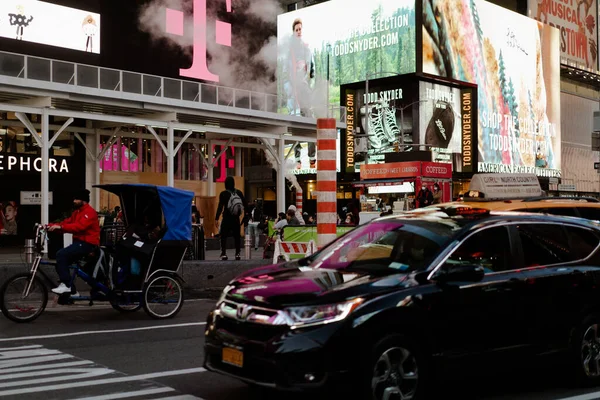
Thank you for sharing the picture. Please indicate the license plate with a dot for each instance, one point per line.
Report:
(233, 357)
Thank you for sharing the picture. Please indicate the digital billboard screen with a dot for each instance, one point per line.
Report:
(339, 41)
(50, 24)
(577, 22)
(303, 157)
(516, 66)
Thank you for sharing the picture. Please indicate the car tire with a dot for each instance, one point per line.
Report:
(584, 349)
(397, 365)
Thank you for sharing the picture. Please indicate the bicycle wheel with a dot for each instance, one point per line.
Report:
(163, 297)
(19, 309)
(126, 307)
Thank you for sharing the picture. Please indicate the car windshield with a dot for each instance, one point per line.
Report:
(386, 246)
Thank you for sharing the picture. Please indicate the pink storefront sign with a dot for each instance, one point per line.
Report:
(110, 161)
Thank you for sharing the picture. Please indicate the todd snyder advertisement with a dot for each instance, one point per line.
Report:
(577, 21)
(468, 113)
(377, 129)
(516, 66)
(360, 36)
(51, 24)
(439, 120)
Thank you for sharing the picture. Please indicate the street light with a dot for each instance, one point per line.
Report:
(402, 117)
(328, 48)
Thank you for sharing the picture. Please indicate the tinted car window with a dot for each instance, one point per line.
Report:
(544, 244)
(562, 211)
(592, 213)
(386, 247)
(583, 242)
(489, 248)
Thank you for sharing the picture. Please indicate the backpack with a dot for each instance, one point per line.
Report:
(235, 205)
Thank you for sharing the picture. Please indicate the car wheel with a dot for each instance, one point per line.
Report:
(585, 351)
(397, 370)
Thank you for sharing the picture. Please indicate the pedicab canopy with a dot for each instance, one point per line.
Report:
(170, 207)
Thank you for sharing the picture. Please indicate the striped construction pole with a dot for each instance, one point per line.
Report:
(326, 181)
(299, 199)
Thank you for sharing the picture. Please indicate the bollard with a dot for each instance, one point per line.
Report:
(29, 246)
(248, 246)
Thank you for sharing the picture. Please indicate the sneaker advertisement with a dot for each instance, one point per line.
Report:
(383, 124)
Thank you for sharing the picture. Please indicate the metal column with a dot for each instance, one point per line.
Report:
(210, 166)
(97, 171)
(170, 156)
(281, 176)
(45, 148)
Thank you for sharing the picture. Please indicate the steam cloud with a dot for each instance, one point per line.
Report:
(251, 62)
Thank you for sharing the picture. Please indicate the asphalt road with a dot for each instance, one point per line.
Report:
(97, 353)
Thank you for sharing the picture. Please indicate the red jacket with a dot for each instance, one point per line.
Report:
(83, 224)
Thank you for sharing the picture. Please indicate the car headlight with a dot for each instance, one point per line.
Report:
(306, 316)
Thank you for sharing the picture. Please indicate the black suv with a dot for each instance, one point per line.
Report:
(393, 301)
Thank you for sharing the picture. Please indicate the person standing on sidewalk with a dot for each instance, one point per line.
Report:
(85, 227)
(232, 205)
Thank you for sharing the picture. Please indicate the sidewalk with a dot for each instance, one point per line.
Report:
(13, 257)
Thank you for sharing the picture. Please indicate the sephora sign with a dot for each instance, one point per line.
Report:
(25, 163)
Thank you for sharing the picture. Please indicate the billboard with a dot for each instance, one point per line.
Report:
(383, 126)
(304, 157)
(360, 36)
(578, 25)
(516, 66)
(439, 120)
(50, 24)
(8, 218)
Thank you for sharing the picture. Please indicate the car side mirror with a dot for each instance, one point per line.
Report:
(460, 273)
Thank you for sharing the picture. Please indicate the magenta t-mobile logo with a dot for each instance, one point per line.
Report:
(199, 68)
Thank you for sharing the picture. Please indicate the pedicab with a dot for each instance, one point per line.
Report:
(138, 269)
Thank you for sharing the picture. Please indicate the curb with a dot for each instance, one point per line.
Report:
(200, 277)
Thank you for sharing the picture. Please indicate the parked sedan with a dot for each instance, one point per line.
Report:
(389, 304)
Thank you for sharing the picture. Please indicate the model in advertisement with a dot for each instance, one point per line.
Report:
(20, 20)
(299, 73)
(8, 218)
(90, 29)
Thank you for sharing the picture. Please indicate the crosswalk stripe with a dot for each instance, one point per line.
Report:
(72, 385)
(125, 395)
(35, 346)
(45, 366)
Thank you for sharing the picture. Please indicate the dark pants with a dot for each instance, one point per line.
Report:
(68, 256)
(230, 227)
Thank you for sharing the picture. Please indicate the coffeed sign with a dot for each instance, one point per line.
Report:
(24, 163)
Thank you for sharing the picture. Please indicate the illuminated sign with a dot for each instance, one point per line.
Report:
(361, 37)
(466, 108)
(577, 21)
(24, 163)
(304, 157)
(349, 131)
(439, 115)
(175, 26)
(516, 67)
(50, 24)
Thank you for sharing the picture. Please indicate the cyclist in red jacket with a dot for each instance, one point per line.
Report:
(85, 227)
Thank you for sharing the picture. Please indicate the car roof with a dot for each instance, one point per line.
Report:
(464, 215)
(521, 204)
